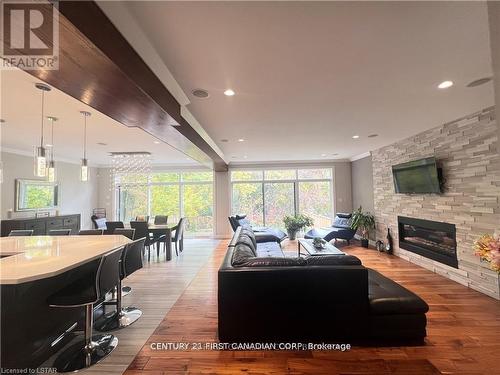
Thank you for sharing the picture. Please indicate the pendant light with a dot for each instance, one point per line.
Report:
(84, 170)
(40, 160)
(51, 170)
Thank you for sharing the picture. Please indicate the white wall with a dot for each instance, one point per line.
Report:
(362, 184)
(75, 197)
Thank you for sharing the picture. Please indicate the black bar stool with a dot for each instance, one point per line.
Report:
(85, 292)
(59, 232)
(131, 261)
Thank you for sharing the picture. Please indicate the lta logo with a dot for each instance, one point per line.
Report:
(30, 35)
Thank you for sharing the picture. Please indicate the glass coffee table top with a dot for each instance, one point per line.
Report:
(308, 246)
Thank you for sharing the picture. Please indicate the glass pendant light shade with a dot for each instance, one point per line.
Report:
(51, 171)
(40, 162)
(39, 159)
(51, 167)
(84, 171)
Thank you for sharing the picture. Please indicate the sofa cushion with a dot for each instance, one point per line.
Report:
(241, 254)
(247, 231)
(333, 260)
(344, 215)
(272, 262)
(342, 222)
(269, 235)
(246, 240)
(388, 297)
(100, 223)
(243, 222)
(269, 249)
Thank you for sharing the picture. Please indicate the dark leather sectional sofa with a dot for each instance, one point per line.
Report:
(264, 296)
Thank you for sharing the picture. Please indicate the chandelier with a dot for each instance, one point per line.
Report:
(130, 167)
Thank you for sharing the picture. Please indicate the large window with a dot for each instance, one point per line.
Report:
(268, 196)
(176, 194)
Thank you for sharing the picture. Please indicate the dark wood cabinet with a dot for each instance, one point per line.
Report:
(42, 225)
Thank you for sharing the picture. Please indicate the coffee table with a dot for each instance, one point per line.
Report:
(308, 246)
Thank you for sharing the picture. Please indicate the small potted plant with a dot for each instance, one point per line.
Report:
(364, 222)
(319, 243)
(295, 223)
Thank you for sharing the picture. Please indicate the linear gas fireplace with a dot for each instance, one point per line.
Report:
(431, 239)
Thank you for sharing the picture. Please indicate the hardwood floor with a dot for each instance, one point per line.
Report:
(463, 328)
(155, 289)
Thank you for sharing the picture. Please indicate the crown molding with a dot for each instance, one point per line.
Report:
(360, 156)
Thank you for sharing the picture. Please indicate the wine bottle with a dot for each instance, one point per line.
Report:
(388, 245)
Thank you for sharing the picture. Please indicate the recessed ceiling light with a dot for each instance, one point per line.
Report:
(241, 140)
(479, 82)
(373, 135)
(245, 157)
(156, 142)
(445, 84)
(224, 140)
(200, 93)
(102, 144)
(323, 155)
(355, 136)
(229, 92)
(48, 145)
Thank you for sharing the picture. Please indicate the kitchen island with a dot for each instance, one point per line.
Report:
(32, 269)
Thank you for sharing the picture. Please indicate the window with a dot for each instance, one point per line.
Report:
(266, 197)
(176, 194)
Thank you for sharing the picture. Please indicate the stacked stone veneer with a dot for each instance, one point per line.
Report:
(468, 152)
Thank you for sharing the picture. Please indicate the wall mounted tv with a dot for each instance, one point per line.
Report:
(417, 177)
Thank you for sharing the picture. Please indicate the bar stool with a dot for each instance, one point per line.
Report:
(21, 232)
(131, 261)
(91, 232)
(59, 232)
(85, 292)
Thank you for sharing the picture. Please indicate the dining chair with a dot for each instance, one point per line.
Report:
(59, 232)
(127, 232)
(161, 220)
(21, 232)
(178, 236)
(91, 232)
(112, 225)
(142, 231)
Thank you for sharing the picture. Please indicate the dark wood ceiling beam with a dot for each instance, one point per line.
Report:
(100, 68)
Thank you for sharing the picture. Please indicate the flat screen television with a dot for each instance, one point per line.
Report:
(417, 177)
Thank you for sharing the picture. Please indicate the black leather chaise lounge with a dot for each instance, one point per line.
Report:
(262, 234)
(341, 229)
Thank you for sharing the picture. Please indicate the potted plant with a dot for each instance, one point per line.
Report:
(295, 223)
(364, 222)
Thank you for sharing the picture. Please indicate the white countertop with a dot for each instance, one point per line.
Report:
(33, 258)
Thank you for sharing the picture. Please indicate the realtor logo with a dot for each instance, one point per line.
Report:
(30, 35)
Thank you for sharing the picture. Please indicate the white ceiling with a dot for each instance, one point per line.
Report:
(310, 75)
(21, 110)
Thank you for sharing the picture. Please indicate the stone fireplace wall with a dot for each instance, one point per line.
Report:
(467, 151)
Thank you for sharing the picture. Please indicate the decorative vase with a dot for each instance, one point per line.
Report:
(364, 242)
(388, 245)
(292, 235)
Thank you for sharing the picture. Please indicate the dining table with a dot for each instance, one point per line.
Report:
(164, 229)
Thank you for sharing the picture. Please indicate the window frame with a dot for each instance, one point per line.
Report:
(181, 183)
(295, 182)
